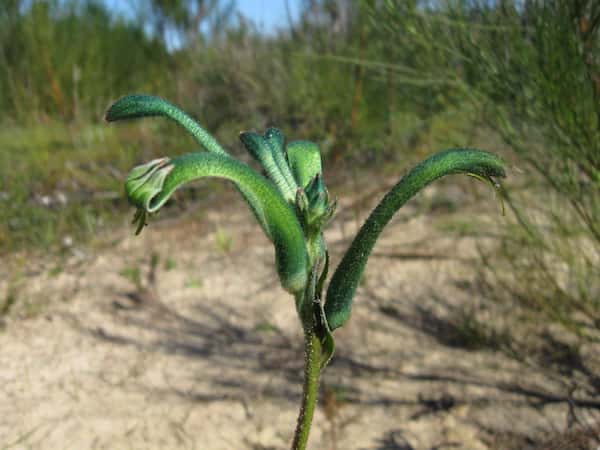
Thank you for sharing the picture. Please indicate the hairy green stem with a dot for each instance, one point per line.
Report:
(312, 371)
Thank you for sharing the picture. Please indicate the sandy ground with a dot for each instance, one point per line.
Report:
(206, 351)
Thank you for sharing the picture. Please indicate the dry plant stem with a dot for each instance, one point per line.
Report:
(312, 371)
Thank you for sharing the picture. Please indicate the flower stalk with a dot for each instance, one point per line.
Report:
(312, 373)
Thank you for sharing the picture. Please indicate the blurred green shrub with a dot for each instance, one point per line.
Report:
(69, 59)
(533, 71)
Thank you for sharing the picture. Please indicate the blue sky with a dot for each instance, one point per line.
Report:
(268, 15)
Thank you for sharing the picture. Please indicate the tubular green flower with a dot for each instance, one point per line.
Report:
(264, 152)
(149, 186)
(345, 280)
(138, 105)
(275, 140)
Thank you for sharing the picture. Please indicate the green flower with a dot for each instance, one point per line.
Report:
(292, 205)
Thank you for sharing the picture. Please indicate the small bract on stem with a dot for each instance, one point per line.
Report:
(292, 206)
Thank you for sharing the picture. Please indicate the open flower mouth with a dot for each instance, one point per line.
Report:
(143, 184)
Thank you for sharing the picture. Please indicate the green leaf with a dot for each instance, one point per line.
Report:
(325, 337)
(323, 331)
(323, 276)
(348, 273)
(149, 186)
(305, 161)
(136, 106)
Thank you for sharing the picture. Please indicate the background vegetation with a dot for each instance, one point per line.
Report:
(374, 82)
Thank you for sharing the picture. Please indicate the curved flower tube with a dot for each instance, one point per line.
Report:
(137, 105)
(343, 284)
(149, 186)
